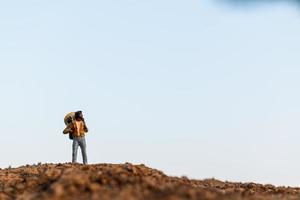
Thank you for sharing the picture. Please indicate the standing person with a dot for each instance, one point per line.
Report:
(76, 131)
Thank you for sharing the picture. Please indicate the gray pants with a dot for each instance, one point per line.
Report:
(79, 141)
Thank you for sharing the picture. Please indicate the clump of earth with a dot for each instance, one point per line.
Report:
(124, 182)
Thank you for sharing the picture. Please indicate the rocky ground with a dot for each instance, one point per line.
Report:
(124, 181)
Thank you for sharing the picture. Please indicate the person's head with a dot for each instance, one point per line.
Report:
(78, 115)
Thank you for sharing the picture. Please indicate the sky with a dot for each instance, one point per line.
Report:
(203, 89)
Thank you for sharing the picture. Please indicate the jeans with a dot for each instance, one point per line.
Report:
(79, 141)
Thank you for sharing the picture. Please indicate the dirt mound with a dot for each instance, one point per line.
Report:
(124, 181)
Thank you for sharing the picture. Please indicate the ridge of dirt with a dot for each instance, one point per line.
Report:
(124, 181)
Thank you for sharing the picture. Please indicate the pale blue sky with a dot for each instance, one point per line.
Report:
(197, 88)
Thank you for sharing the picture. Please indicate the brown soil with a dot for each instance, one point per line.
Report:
(124, 181)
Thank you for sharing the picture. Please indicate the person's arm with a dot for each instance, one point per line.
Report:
(85, 127)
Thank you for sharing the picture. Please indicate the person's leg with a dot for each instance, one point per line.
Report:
(75, 148)
(83, 150)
